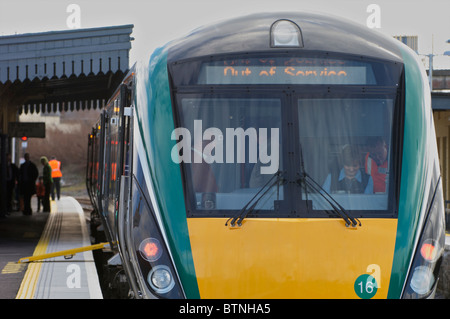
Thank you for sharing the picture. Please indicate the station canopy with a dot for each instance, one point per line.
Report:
(63, 70)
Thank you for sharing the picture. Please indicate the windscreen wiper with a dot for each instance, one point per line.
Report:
(239, 217)
(338, 209)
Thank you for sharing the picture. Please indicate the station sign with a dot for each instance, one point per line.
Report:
(26, 129)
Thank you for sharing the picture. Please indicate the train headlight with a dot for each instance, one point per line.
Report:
(285, 33)
(150, 249)
(422, 280)
(423, 275)
(429, 250)
(153, 268)
(160, 279)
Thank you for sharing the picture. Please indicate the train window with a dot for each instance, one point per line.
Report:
(230, 149)
(345, 147)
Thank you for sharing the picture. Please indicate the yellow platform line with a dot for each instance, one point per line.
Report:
(28, 285)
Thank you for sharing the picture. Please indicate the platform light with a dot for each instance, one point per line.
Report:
(285, 33)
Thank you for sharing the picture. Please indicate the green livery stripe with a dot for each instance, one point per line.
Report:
(412, 174)
(156, 126)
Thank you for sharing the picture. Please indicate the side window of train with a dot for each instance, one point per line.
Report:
(106, 163)
(114, 149)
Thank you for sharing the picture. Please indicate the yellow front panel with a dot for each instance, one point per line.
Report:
(290, 258)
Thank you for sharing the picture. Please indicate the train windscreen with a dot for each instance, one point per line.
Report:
(285, 149)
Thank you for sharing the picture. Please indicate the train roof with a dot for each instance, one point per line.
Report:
(252, 33)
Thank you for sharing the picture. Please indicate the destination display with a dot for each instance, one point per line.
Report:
(286, 71)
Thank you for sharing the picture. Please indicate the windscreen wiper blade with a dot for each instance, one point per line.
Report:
(239, 217)
(341, 211)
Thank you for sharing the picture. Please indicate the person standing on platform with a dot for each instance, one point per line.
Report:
(28, 173)
(40, 193)
(12, 176)
(48, 181)
(56, 176)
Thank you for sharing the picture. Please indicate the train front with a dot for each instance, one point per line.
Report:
(270, 161)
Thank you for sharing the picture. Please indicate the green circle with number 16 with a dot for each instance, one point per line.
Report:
(365, 286)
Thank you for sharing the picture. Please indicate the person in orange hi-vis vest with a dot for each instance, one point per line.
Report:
(56, 175)
(376, 163)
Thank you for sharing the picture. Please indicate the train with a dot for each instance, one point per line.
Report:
(274, 155)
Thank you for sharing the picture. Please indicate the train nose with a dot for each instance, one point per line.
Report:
(292, 258)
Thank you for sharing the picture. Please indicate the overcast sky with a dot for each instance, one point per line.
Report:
(159, 21)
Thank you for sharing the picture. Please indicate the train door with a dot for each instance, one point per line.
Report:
(125, 160)
(101, 164)
(90, 165)
(123, 142)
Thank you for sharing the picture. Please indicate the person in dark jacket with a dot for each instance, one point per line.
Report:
(48, 181)
(12, 177)
(28, 173)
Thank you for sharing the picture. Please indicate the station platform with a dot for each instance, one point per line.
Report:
(63, 229)
(60, 278)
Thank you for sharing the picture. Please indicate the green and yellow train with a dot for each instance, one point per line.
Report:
(275, 155)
